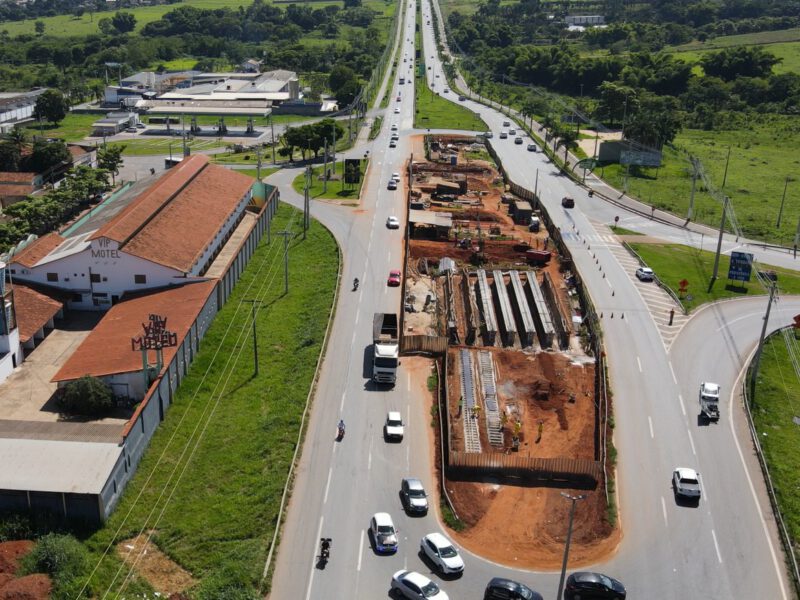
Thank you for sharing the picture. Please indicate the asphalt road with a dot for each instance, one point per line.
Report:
(726, 547)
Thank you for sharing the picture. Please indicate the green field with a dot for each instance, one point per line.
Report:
(773, 407)
(265, 172)
(72, 129)
(337, 190)
(763, 154)
(788, 52)
(674, 262)
(222, 515)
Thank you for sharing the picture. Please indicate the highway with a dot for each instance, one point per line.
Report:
(724, 548)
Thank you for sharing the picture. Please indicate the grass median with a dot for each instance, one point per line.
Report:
(337, 190)
(221, 517)
(674, 262)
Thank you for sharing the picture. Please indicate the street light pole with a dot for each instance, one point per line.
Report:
(255, 336)
(783, 199)
(574, 500)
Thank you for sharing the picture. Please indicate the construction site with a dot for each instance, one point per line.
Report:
(520, 408)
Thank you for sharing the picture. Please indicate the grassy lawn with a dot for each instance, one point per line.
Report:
(788, 52)
(763, 154)
(265, 172)
(223, 513)
(73, 128)
(375, 129)
(774, 404)
(143, 146)
(335, 188)
(674, 262)
(623, 231)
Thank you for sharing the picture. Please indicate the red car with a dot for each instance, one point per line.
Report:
(394, 279)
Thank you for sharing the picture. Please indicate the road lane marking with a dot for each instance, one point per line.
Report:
(358, 314)
(341, 404)
(408, 458)
(748, 316)
(691, 442)
(314, 559)
(716, 546)
(683, 408)
(639, 362)
(671, 370)
(328, 484)
(664, 511)
(360, 550)
(650, 422)
(609, 284)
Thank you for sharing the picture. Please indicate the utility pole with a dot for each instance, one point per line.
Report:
(536, 189)
(690, 213)
(796, 237)
(334, 147)
(325, 168)
(783, 199)
(255, 336)
(719, 243)
(574, 500)
(306, 201)
(272, 135)
(757, 358)
(286, 235)
(725, 175)
(258, 164)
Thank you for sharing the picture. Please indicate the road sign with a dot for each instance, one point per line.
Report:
(741, 266)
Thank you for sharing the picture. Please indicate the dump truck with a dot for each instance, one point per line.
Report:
(386, 344)
(709, 401)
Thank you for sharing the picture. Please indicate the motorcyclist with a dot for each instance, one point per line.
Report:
(325, 547)
(355, 283)
(341, 426)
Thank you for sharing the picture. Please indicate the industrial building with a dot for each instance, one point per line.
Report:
(165, 251)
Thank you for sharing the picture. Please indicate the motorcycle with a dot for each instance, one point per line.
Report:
(340, 433)
(355, 284)
(324, 551)
(591, 193)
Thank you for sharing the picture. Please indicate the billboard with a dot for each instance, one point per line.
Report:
(639, 158)
(352, 170)
(741, 266)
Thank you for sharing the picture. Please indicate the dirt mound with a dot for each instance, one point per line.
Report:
(150, 563)
(11, 553)
(30, 587)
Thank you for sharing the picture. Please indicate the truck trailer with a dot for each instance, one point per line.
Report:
(386, 348)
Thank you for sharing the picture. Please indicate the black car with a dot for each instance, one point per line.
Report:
(584, 585)
(500, 588)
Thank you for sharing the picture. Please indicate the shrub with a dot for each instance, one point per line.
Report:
(229, 583)
(15, 526)
(61, 556)
(87, 396)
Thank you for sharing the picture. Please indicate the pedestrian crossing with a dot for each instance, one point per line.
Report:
(660, 304)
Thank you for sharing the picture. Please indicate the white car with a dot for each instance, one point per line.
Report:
(394, 127)
(442, 553)
(383, 532)
(645, 274)
(396, 176)
(393, 429)
(393, 223)
(686, 483)
(416, 586)
(397, 110)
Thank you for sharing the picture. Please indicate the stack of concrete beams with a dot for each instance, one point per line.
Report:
(452, 319)
(484, 292)
(522, 311)
(508, 328)
(541, 313)
(470, 310)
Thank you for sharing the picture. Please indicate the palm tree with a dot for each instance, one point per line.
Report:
(17, 138)
(568, 138)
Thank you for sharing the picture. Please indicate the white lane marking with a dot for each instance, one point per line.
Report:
(778, 565)
(650, 423)
(671, 370)
(683, 408)
(314, 559)
(353, 341)
(691, 442)
(408, 458)
(748, 316)
(360, 550)
(639, 362)
(358, 314)
(341, 404)
(716, 546)
(609, 284)
(328, 484)
(369, 459)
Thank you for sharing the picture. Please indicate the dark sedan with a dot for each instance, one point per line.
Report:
(584, 585)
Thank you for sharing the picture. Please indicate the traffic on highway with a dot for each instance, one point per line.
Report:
(365, 519)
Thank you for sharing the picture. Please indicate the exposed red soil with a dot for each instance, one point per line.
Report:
(30, 587)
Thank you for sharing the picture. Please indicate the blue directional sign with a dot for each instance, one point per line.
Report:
(741, 266)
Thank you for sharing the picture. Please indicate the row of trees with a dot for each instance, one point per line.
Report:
(42, 214)
(311, 137)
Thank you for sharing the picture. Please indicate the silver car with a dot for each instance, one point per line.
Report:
(686, 483)
(415, 500)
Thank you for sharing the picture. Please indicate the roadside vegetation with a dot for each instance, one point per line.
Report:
(337, 189)
(218, 519)
(674, 262)
(774, 406)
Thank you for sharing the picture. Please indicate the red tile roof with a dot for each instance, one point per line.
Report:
(13, 190)
(34, 309)
(173, 222)
(37, 250)
(16, 177)
(107, 349)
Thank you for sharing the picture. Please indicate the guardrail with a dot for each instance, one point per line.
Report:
(783, 532)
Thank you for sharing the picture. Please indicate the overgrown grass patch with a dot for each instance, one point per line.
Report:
(674, 262)
(774, 405)
(337, 190)
(73, 128)
(222, 513)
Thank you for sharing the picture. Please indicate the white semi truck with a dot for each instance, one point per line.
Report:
(709, 401)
